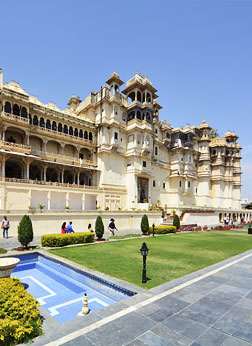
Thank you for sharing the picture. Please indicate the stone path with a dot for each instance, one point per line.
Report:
(210, 307)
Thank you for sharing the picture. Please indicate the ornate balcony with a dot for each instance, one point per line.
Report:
(15, 147)
(65, 159)
(14, 118)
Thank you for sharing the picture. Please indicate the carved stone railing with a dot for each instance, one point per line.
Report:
(39, 182)
(15, 118)
(64, 159)
(19, 148)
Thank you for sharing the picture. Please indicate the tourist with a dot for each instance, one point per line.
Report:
(90, 229)
(5, 226)
(70, 228)
(63, 227)
(112, 227)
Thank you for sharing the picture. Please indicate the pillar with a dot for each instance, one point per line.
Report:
(67, 199)
(3, 166)
(29, 198)
(83, 202)
(62, 176)
(27, 140)
(62, 146)
(45, 168)
(49, 200)
(27, 170)
(3, 133)
(78, 178)
(44, 145)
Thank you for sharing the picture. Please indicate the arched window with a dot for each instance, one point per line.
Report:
(131, 97)
(85, 135)
(7, 107)
(66, 129)
(131, 115)
(90, 136)
(148, 116)
(54, 126)
(139, 115)
(81, 134)
(48, 124)
(23, 112)
(42, 122)
(30, 119)
(60, 127)
(76, 132)
(139, 96)
(35, 120)
(148, 97)
(70, 131)
(167, 135)
(16, 110)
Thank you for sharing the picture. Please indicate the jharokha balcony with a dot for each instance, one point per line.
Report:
(15, 147)
(64, 159)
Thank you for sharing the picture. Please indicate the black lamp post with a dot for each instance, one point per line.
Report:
(144, 251)
(153, 232)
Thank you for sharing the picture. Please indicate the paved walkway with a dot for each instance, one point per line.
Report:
(210, 307)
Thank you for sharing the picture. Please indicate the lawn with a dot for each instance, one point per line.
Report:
(169, 257)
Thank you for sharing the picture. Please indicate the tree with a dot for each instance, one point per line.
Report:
(213, 133)
(99, 227)
(145, 224)
(176, 221)
(25, 231)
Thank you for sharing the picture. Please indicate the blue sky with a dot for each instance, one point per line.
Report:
(197, 54)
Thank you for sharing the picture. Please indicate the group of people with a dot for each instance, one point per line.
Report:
(69, 228)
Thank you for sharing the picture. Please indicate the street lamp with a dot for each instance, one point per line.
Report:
(144, 251)
(153, 232)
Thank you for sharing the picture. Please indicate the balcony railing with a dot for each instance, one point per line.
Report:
(19, 148)
(39, 182)
(64, 159)
(15, 118)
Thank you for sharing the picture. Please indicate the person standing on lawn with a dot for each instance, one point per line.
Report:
(5, 226)
(112, 227)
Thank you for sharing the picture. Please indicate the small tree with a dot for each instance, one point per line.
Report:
(99, 227)
(25, 231)
(145, 224)
(176, 221)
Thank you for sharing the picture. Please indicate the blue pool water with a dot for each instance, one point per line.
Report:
(59, 288)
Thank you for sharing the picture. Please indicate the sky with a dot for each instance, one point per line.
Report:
(197, 54)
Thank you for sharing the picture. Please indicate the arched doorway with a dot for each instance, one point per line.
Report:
(13, 169)
(51, 174)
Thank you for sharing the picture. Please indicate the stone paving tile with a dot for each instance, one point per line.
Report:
(245, 303)
(185, 326)
(213, 304)
(224, 297)
(80, 341)
(212, 337)
(160, 315)
(249, 296)
(201, 315)
(172, 303)
(230, 341)
(236, 291)
(136, 342)
(152, 339)
(190, 297)
(235, 326)
(148, 309)
(113, 337)
(111, 309)
(171, 336)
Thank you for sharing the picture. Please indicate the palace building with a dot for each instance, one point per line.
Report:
(110, 150)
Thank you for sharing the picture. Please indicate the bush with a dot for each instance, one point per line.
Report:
(99, 227)
(2, 250)
(163, 229)
(58, 240)
(19, 315)
(25, 231)
(145, 224)
(176, 221)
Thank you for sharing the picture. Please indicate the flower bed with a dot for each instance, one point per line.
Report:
(58, 240)
(19, 315)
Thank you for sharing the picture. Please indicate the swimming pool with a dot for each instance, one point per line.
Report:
(59, 288)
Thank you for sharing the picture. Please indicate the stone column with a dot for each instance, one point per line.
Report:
(49, 200)
(78, 178)
(3, 133)
(27, 138)
(83, 202)
(44, 145)
(62, 176)
(3, 166)
(29, 198)
(67, 199)
(62, 146)
(45, 168)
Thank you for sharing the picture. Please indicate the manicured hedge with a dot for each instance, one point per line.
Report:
(19, 315)
(163, 229)
(58, 240)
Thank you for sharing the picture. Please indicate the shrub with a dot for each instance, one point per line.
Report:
(176, 221)
(58, 240)
(25, 231)
(2, 250)
(99, 227)
(19, 315)
(145, 224)
(163, 229)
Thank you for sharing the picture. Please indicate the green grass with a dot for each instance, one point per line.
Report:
(126, 236)
(2, 250)
(169, 257)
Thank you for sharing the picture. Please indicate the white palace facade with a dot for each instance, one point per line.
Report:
(110, 151)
